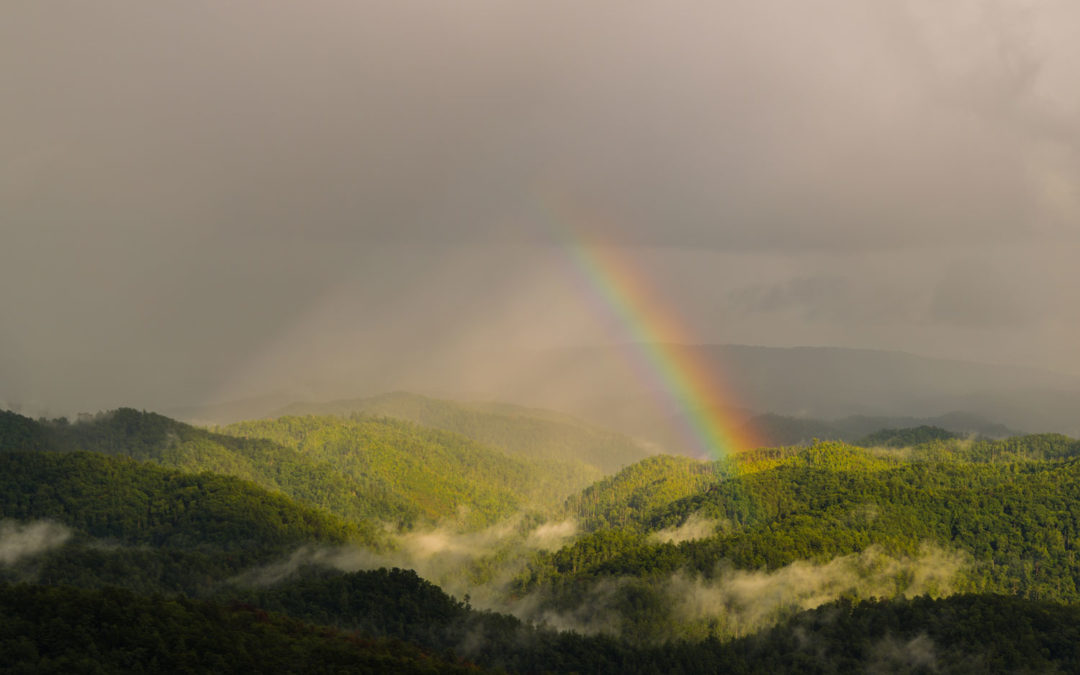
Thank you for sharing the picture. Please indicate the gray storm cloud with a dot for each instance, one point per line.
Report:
(209, 199)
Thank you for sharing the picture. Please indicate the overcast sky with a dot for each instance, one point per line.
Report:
(208, 199)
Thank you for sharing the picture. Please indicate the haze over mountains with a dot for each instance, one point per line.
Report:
(815, 384)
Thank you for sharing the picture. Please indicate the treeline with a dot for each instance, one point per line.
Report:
(65, 630)
(907, 437)
(360, 470)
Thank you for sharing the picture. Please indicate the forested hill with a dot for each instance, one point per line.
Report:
(436, 472)
(825, 521)
(362, 470)
(66, 630)
(120, 632)
(924, 553)
(778, 430)
(529, 432)
(88, 519)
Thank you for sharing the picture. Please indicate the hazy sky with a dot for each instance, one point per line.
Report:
(206, 199)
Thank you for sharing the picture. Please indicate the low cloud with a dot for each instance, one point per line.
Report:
(739, 602)
(728, 604)
(695, 527)
(980, 294)
(827, 298)
(19, 541)
(746, 601)
(891, 655)
(455, 561)
(551, 536)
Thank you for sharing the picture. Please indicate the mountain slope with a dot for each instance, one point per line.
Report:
(67, 630)
(88, 519)
(362, 470)
(776, 430)
(528, 432)
(824, 522)
(434, 474)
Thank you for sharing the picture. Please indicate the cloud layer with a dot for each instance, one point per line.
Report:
(194, 190)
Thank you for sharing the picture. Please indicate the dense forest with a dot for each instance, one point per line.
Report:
(360, 470)
(388, 546)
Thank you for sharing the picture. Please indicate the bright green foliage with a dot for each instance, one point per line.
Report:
(1034, 447)
(361, 470)
(1019, 521)
(824, 456)
(139, 503)
(152, 437)
(527, 432)
(630, 496)
(422, 474)
(1004, 516)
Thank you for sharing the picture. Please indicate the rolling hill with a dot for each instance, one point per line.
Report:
(363, 470)
(526, 432)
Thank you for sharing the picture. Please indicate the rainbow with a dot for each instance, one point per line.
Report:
(658, 346)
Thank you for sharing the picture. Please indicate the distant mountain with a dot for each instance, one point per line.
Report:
(816, 383)
(604, 386)
(905, 438)
(529, 432)
(773, 429)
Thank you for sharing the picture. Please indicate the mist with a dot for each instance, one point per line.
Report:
(484, 565)
(735, 603)
(22, 541)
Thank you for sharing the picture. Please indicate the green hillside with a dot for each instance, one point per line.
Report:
(997, 523)
(362, 470)
(433, 474)
(529, 432)
(669, 565)
(959, 634)
(630, 495)
(89, 519)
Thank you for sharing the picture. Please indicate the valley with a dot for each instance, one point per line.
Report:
(428, 523)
